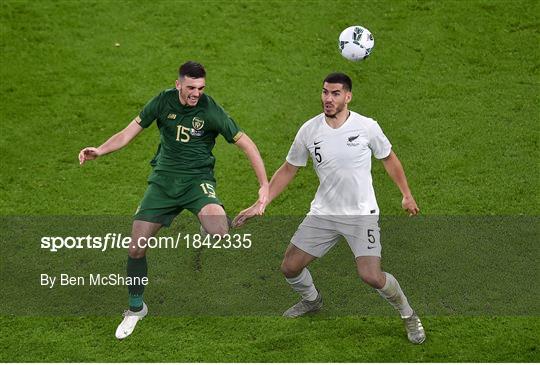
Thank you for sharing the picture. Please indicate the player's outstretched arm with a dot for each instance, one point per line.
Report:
(114, 143)
(395, 170)
(282, 177)
(250, 149)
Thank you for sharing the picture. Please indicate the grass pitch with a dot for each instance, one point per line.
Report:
(270, 339)
(455, 86)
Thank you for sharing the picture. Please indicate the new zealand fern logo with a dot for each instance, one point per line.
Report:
(351, 141)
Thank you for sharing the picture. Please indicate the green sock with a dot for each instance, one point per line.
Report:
(136, 268)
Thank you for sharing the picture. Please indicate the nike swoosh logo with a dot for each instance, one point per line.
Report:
(353, 138)
(316, 143)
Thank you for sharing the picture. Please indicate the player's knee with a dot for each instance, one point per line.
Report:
(136, 254)
(214, 221)
(136, 250)
(218, 230)
(372, 279)
(290, 270)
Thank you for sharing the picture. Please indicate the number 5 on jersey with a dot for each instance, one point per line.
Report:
(318, 156)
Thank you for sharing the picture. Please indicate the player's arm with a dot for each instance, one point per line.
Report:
(282, 177)
(114, 143)
(252, 152)
(395, 170)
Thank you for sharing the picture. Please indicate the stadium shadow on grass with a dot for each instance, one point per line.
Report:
(446, 266)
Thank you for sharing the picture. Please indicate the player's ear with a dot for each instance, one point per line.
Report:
(348, 96)
(178, 84)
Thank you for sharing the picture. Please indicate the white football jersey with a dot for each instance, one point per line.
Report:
(342, 160)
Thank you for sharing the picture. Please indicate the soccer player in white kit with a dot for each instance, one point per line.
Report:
(341, 143)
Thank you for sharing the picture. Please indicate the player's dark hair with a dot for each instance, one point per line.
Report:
(192, 69)
(339, 78)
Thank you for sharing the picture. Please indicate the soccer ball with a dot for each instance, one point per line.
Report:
(356, 43)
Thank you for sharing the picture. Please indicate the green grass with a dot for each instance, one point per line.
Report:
(454, 84)
(267, 339)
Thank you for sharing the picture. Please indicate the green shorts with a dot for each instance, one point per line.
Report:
(167, 196)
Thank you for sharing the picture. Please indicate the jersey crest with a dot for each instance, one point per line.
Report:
(197, 123)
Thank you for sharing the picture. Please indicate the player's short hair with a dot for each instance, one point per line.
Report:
(339, 78)
(192, 69)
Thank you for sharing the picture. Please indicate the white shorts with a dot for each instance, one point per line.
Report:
(316, 235)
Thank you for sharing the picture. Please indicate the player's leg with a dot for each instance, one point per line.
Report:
(294, 267)
(364, 240)
(157, 208)
(137, 266)
(137, 269)
(213, 219)
(369, 269)
(295, 261)
(313, 239)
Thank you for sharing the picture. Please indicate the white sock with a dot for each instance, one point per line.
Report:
(394, 295)
(303, 285)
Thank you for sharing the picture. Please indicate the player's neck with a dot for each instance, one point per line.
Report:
(338, 119)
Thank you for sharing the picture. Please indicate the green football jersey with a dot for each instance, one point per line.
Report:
(187, 134)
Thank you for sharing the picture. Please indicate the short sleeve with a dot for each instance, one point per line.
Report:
(298, 153)
(150, 112)
(230, 130)
(378, 143)
(227, 127)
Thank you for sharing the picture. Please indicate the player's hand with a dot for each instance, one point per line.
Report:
(245, 215)
(409, 204)
(87, 154)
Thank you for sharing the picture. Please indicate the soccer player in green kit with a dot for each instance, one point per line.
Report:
(189, 122)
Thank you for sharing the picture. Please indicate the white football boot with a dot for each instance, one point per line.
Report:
(304, 307)
(415, 330)
(130, 321)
